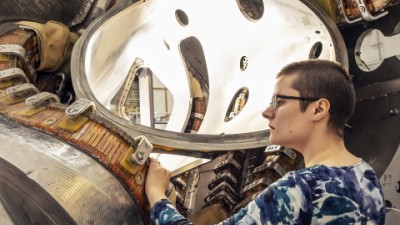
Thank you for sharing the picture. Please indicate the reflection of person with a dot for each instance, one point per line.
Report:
(312, 101)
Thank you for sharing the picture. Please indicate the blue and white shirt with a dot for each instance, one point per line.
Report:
(314, 195)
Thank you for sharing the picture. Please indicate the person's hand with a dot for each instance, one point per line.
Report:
(157, 181)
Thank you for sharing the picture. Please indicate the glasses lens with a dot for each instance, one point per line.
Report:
(273, 102)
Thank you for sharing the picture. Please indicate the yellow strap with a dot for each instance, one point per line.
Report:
(54, 39)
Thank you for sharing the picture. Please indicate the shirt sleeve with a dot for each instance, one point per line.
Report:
(164, 213)
(287, 201)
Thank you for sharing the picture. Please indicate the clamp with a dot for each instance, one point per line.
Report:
(42, 99)
(79, 107)
(22, 90)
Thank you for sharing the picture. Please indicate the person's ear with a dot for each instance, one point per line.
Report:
(321, 108)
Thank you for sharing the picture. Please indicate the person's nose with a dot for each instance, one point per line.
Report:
(268, 113)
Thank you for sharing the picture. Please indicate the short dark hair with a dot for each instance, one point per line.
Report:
(324, 79)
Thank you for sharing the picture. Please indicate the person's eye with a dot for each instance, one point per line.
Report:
(279, 102)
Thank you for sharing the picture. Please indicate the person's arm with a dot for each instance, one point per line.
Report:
(157, 181)
(287, 201)
(162, 211)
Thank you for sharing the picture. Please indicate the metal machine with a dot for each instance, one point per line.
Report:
(87, 87)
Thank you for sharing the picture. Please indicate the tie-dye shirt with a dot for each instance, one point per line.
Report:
(314, 195)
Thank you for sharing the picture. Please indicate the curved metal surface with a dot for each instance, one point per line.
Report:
(339, 45)
(86, 190)
(103, 56)
(26, 202)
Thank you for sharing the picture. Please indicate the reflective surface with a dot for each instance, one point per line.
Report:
(153, 31)
(88, 192)
(373, 47)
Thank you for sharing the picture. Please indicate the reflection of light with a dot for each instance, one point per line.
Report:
(373, 48)
(150, 31)
(174, 162)
(164, 62)
(285, 33)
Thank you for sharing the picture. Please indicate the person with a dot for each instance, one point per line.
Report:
(311, 104)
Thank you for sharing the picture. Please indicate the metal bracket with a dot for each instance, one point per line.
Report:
(227, 163)
(221, 177)
(10, 73)
(43, 98)
(223, 195)
(143, 148)
(222, 187)
(179, 182)
(22, 90)
(263, 181)
(289, 152)
(346, 18)
(13, 50)
(79, 107)
(366, 14)
(271, 166)
(19, 51)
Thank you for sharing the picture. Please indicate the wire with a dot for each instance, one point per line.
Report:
(394, 209)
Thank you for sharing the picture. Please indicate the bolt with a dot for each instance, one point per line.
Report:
(139, 156)
(139, 178)
(72, 110)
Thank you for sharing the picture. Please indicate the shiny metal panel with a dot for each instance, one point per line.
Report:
(287, 31)
(82, 186)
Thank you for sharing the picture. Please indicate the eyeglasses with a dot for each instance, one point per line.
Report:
(273, 103)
